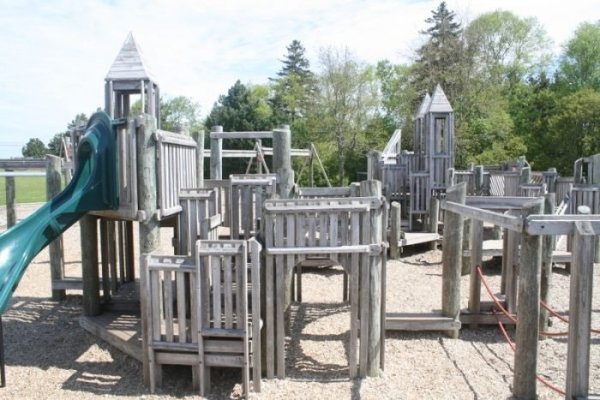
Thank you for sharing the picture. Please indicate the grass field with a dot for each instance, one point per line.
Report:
(29, 189)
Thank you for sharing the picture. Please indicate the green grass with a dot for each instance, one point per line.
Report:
(28, 189)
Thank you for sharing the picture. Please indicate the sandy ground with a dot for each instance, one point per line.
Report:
(49, 356)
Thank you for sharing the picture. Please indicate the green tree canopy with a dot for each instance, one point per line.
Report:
(34, 148)
(580, 63)
(180, 113)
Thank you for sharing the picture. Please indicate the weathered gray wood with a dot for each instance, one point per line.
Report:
(149, 227)
(476, 239)
(282, 161)
(420, 322)
(559, 224)
(372, 188)
(374, 165)
(497, 202)
(434, 216)
(452, 255)
(528, 311)
(200, 159)
(504, 221)
(548, 244)
(11, 215)
(88, 228)
(580, 308)
(53, 187)
(395, 230)
(216, 157)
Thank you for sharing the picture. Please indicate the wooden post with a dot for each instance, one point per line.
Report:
(434, 216)
(11, 215)
(580, 311)
(53, 187)
(547, 249)
(88, 228)
(466, 245)
(373, 188)
(478, 176)
(395, 231)
(216, 154)
(200, 158)
(149, 227)
(452, 255)
(476, 240)
(528, 311)
(373, 165)
(282, 161)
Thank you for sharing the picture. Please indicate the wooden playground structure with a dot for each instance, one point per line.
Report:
(221, 297)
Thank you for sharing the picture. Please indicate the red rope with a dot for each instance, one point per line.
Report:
(514, 348)
(505, 333)
(561, 317)
(493, 297)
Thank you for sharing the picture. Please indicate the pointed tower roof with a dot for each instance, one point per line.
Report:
(439, 102)
(424, 105)
(130, 63)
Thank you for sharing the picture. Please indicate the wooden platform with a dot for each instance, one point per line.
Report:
(411, 238)
(122, 331)
(493, 248)
(420, 322)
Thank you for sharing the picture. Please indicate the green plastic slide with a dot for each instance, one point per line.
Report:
(93, 187)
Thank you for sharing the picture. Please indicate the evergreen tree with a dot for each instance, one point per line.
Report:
(294, 86)
(439, 59)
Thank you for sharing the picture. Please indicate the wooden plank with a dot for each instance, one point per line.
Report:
(361, 248)
(354, 296)
(580, 317)
(476, 261)
(279, 298)
(227, 292)
(270, 300)
(420, 322)
(504, 221)
(559, 224)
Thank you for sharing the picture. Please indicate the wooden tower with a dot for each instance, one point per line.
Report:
(439, 141)
(129, 76)
(419, 143)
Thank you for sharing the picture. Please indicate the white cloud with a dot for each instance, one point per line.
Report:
(54, 55)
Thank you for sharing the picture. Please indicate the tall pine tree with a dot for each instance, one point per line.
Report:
(439, 58)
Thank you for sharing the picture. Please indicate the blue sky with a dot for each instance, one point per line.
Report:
(54, 54)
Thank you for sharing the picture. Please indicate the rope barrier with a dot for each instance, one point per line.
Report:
(562, 318)
(512, 345)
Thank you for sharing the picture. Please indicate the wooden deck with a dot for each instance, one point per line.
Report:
(122, 331)
(493, 248)
(411, 238)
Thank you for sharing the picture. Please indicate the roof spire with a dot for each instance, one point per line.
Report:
(130, 63)
(439, 101)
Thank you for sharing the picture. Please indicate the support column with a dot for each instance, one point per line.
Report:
(282, 161)
(372, 188)
(149, 234)
(88, 228)
(200, 159)
(11, 215)
(53, 187)
(216, 154)
(528, 311)
(547, 250)
(580, 314)
(452, 255)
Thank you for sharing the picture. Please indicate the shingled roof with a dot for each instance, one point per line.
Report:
(130, 63)
(424, 105)
(439, 102)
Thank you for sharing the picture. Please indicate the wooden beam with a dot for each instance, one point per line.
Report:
(504, 221)
(559, 224)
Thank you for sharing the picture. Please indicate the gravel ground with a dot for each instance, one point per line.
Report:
(49, 356)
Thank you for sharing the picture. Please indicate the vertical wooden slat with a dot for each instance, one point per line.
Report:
(364, 297)
(168, 304)
(580, 303)
(181, 298)
(269, 299)
(215, 273)
(256, 313)
(279, 298)
(228, 292)
(354, 295)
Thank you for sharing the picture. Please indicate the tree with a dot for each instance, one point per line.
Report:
(439, 58)
(244, 108)
(34, 148)
(180, 113)
(574, 129)
(346, 102)
(580, 63)
(294, 87)
(505, 47)
(55, 145)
